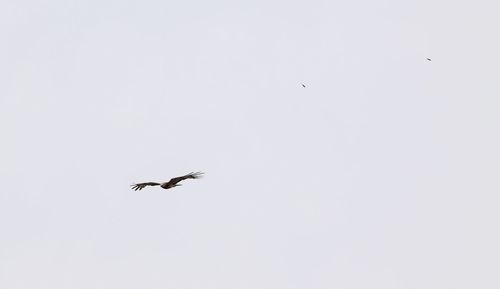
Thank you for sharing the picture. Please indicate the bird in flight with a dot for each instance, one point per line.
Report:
(170, 184)
(303, 85)
(429, 59)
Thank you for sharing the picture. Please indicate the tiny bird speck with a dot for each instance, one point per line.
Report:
(303, 85)
(429, 59)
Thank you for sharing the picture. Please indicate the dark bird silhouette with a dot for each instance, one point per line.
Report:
(429, 59)
(303, 85)
(170, 184)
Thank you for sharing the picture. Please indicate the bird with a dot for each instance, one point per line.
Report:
(303, 85)
(170, 184)
(429, 59)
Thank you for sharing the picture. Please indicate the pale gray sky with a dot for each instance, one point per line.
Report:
(381, 173)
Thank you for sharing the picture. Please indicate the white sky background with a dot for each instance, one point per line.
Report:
(382, 173)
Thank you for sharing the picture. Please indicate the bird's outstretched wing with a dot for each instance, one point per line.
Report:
(196, 175)
(142, 185)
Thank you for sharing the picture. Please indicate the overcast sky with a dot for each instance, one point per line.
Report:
(382, 173)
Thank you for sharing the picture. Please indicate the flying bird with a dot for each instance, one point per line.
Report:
(170, 184)
(303, 85)
(429, 59)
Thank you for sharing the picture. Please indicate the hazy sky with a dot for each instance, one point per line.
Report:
(382, 173)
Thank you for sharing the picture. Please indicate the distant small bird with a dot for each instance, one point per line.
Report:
(429, 59)
(170, 184)
(303, 85)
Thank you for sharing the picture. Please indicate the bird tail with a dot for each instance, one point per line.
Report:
(196, 175)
